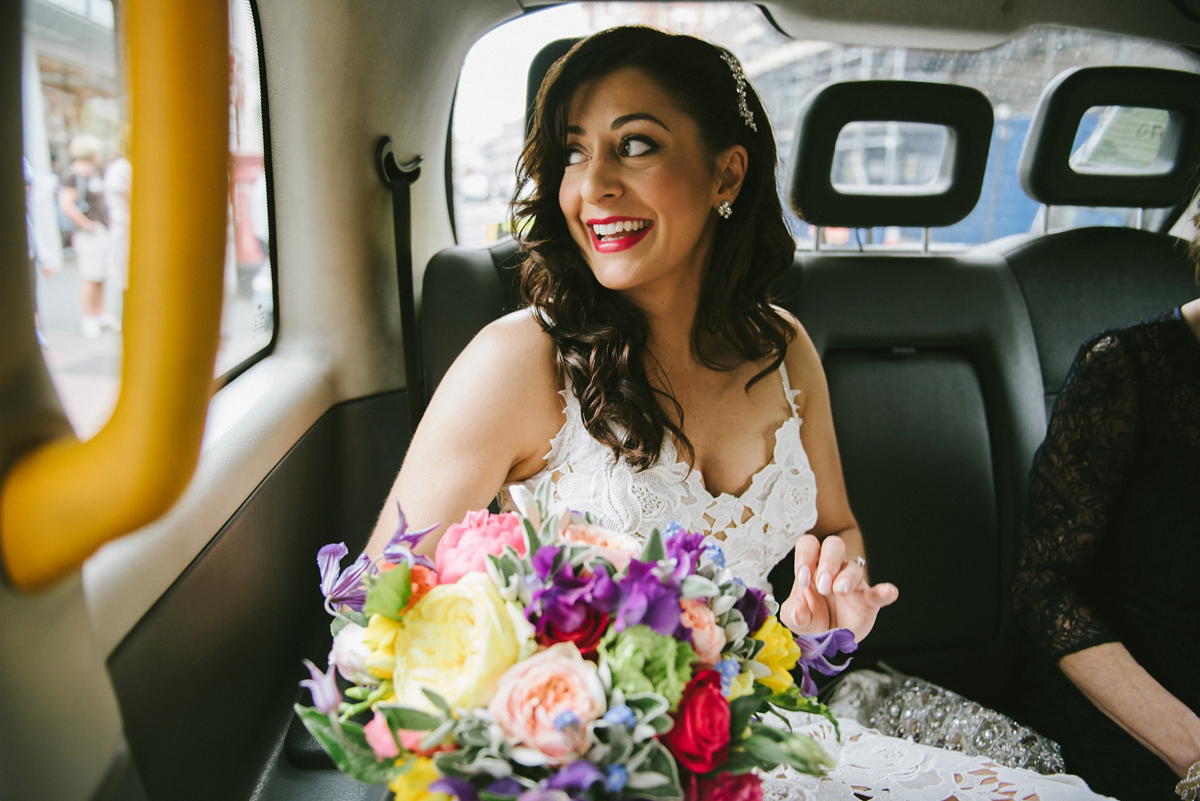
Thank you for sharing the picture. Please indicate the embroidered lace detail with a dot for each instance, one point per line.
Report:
(873, 767)
(756, 529)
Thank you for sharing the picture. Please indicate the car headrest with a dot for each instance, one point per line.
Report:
(538, 68)
(966, 114)
(1046, 170)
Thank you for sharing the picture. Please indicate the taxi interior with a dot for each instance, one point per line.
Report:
(166, 665)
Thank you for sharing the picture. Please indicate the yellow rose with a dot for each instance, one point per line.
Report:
(779, 655)
(743, 684)
(457, 641)
(414, 785)
(380, 637)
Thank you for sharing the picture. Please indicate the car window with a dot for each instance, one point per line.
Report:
(76, 139)
(489, 112)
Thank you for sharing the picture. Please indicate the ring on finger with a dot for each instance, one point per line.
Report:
(861, 561)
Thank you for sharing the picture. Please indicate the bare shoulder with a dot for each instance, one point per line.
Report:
(501, 390)
(803, 362)
(511, 350)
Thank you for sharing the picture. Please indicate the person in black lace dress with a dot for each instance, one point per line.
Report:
(1107, 581)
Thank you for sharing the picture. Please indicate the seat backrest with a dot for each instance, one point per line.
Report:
(1079, 282)
(935, 388)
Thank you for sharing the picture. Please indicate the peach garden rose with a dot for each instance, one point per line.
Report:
(708, 637)
(546, 702)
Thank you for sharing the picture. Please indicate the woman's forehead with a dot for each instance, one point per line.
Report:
(622, 93)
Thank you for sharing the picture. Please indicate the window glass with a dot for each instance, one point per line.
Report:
(1124, 140)
(77, 160)
(873, 155)
(489, 110)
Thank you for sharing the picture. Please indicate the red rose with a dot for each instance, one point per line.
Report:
(700, 737)
(589, 634)
(724, 787)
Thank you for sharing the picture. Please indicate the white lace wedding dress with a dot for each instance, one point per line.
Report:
(756, 530)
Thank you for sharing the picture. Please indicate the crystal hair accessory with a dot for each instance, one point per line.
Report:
(740, 77)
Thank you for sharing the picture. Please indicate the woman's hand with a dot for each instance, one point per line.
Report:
(831, 591)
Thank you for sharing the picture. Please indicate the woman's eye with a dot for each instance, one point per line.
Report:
(574, 156)
(637, 146)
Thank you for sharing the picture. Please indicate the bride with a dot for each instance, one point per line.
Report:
(651, 378)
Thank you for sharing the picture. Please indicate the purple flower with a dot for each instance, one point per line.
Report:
(563, 599)
(505, 786)
(753, 608)
(646, 599)
(344, 587)
(324, 689)
(815, 651)
(460, 788)
(578, 775)
(400, 546)
(685, 548)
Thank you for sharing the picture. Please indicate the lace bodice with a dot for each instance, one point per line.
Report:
(757, 528)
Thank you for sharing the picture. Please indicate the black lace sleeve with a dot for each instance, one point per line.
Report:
(1076, 477)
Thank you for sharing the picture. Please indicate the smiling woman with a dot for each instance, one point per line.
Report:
(652, 381)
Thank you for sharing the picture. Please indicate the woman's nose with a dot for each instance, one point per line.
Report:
(601, 182)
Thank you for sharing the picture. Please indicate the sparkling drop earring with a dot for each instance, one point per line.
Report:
(725, 210)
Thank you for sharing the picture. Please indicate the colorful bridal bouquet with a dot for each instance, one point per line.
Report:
(540, 657)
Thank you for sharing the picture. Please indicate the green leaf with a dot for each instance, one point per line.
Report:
(399, 717)
(347, 746)
(779, 747)
(654, 548)
(437, 700)
(390, 593)
(699, 587)
(744, 708)
(657, 761)
(793, 700)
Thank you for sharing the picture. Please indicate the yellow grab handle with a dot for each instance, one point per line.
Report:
(63, 500)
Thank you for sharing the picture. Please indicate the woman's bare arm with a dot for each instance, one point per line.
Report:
(490, 422)
(1122, 689)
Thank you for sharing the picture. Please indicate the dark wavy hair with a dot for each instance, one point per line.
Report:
(600, 336)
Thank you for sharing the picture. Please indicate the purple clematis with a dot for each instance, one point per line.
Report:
(324, 689)
(815, 651)
(648, 600)
(344, 587)
(400, 547)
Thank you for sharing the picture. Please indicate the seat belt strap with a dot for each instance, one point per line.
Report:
(399, 178)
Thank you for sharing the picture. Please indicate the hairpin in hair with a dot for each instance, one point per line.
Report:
(740, 77)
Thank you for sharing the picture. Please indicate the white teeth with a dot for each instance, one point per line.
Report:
(608, 229)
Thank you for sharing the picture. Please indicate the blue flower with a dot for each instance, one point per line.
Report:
(620, 715)
(617, 776)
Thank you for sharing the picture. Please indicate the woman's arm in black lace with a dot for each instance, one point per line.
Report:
(1076, 476)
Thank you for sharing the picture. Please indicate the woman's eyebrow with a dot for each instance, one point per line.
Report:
(623, 120)
(628, 118)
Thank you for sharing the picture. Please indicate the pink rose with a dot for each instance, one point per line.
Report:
(464, 547)
(380, 738)
(615, 547)
(708, 638)
(546, 702)
(411, 740)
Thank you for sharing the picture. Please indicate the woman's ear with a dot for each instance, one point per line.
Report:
(731, 171)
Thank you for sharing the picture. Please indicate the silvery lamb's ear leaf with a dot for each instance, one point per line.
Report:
(542, 494)
(699, 587)
(654, 549)
(348, 748)
(526, 503)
